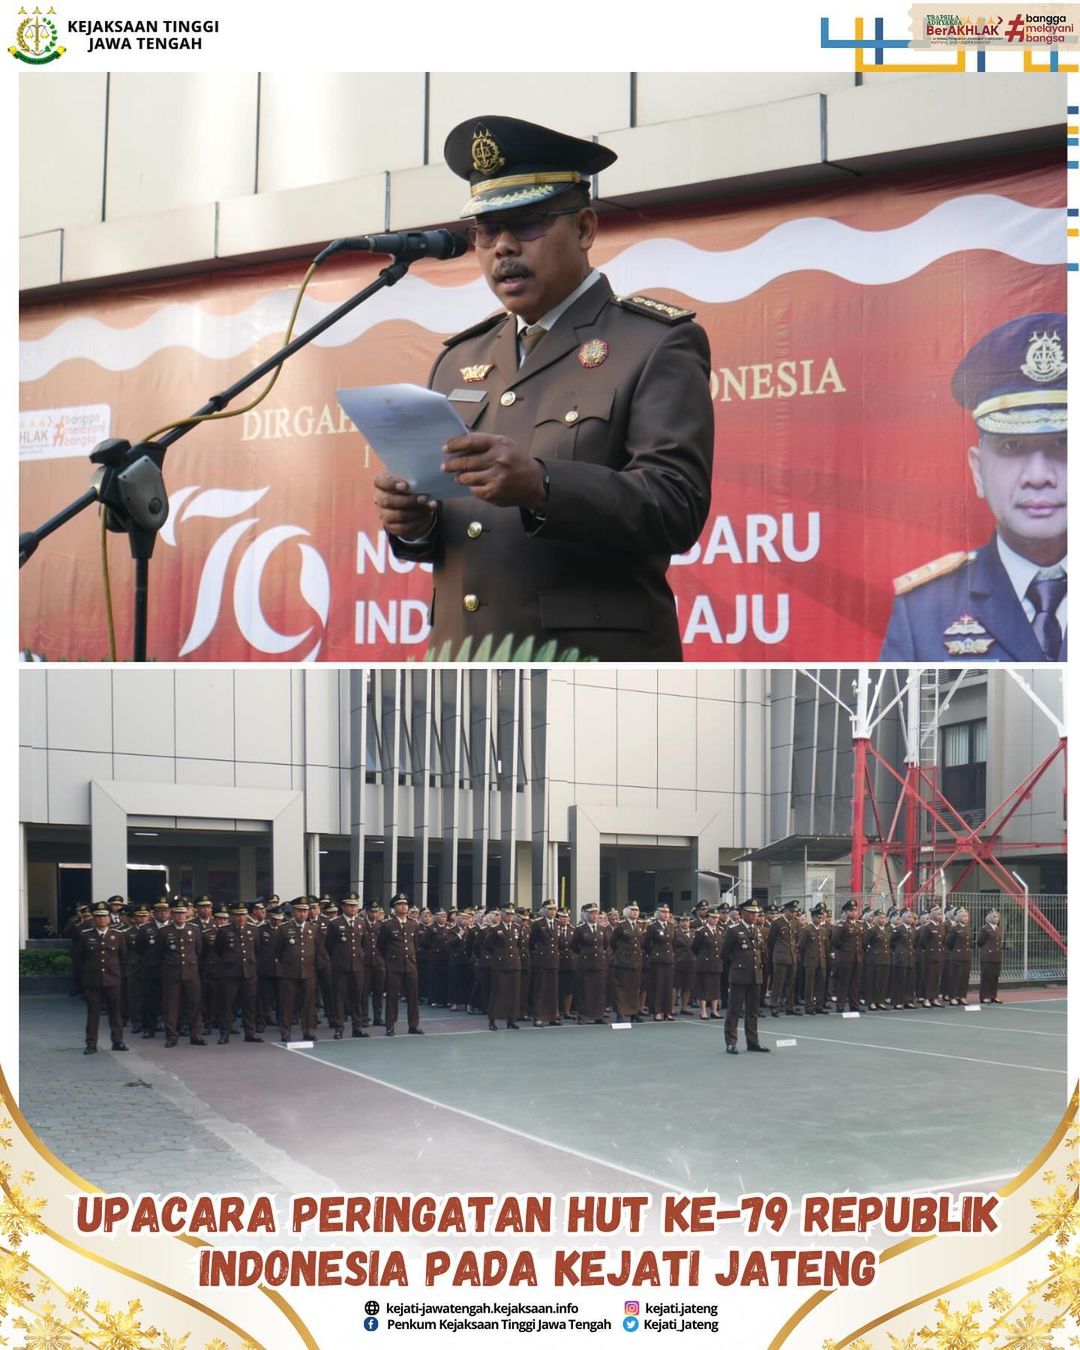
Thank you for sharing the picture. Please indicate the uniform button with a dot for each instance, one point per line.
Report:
(571, 416)
(475, 529)
(471, 603)
(508, 399)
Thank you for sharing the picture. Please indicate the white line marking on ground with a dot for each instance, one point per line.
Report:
(984, 1026)
(495, 1124)
(932, 1054)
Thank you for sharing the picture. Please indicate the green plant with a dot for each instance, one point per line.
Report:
(40, 962)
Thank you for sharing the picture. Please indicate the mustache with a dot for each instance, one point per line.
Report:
(510, 268)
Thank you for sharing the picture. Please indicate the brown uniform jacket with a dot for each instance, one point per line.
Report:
(544, 945)
(813, 947)
(615, 402)
(744, 953)
(990, 943)
(624, 944)
(101, 956)
(345, 944)
(183, 952)
(294, 950)
(706, 948)
(237, 950)
(589, 946)
(397, 943)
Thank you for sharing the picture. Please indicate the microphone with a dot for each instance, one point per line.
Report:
(407, 247)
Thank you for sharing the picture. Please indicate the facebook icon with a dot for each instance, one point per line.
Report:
(371, 1324)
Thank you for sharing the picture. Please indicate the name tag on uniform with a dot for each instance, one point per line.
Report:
(467, 395)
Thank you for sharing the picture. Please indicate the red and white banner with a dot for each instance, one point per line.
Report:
(836, 320)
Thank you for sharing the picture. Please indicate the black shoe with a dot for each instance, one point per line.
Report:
(313, 1038)
(170, 1041)
(795, 1012)
(284, 1039)
(775, 1013)
(223, 1039)
(512, 1026)
(824, 1012)
(378, 1022)
(635, 1018)
(119, 1045)
(415, 1031)
(90, 1050)
(250, 1039)
(362, 1035)
(197, 1040)
(389, 1031)
(759, 1049)
(602, 1021)
(148, 1035)
(732, 1050)
(260, 1029)
(338, 1034)
(491, 1025)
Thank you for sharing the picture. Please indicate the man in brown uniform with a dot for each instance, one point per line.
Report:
(847, 947)
(350, 967)
(502, 942)
(625, 954)
(813, 956)
(783, 948)
(902, 969)
(743, 953)
(396, 941)
(180, 977)
(588, 454)
(101, 952)
(294, 951)
(705, 945)
(544, 952)
(658, 945)
(590, 965)
(238, 972)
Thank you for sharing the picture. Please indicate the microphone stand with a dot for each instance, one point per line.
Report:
(129, 481)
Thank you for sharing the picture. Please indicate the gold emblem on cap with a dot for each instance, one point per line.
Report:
(473, 374)
(594, 353)
(471, 603)
(1045, 360)
(964, 626)
(969, 646)
(486, 155)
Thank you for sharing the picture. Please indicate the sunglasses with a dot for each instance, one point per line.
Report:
(524, 228)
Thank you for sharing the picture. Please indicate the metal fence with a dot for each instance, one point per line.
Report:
(1031, 955)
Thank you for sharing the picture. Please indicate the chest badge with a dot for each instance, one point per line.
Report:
(965, 626)
(474, 374)
(594, 353)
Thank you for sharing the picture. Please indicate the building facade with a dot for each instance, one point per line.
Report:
(472, 786)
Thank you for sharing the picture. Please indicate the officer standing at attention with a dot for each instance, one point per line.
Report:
(101, 952)
(588, 451)
(1005, 601)
(745, 975)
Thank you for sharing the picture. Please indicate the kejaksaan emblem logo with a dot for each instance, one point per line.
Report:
(255, 553)
(37, 37)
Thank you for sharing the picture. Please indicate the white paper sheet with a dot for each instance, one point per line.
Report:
(407, 426)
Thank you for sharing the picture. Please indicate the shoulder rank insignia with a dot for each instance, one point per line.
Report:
(930, 571)
(969, 646)
(965, 626)
(656, 309)
(473, 374)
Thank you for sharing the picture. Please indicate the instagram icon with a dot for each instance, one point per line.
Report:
(631, 1308)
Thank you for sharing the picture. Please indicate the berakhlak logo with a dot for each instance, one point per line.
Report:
(37, 38)
(224, 504)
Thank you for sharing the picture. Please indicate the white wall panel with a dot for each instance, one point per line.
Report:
(635, 764)
(667, 97)
(178, 141)
(144, 768)
(204, 715)
(677, 738)
(315, 128)
(262, 702)
(716, 769)
(143, 711)
(256, 775)
(220, 772)
(80, 708)
(61, 150)
(594, 733)
(69, 775)
(33, 785)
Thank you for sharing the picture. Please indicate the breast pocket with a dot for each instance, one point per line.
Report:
(576, 424)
